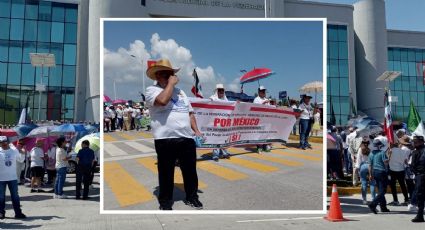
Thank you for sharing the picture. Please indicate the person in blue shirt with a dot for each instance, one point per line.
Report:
(378, 163)
(85, 161)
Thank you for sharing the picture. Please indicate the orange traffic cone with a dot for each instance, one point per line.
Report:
(335, 211)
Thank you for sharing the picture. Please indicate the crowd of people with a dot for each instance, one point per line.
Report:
(126, 117)
(374, 162)
(43, 171)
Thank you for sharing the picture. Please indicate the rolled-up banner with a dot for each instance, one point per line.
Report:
(227, 124)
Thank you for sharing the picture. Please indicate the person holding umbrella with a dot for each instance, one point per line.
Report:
(305, 120)
(263, 100)
(174, 126)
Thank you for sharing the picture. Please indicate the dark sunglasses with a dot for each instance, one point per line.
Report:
(165, 73)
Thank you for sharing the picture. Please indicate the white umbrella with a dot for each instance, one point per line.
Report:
(42, 131)
(312, 87)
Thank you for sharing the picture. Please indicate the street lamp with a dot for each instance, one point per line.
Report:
(143, 73)
(42, 60)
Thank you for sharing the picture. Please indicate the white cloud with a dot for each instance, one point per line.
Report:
(127, 70)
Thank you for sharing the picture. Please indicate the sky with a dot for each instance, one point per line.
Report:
(400, 14)
(218, 50)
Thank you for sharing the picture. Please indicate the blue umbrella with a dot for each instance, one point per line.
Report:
(23, 129)
(69, 128)
(90, 128)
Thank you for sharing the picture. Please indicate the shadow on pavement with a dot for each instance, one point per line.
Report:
(46, 196)
(352, 205)
(18, 226)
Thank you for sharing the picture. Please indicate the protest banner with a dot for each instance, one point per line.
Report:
(226, 124)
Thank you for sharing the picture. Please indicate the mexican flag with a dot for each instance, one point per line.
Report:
(414, 122)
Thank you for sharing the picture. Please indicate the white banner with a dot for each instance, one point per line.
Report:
(231, 123)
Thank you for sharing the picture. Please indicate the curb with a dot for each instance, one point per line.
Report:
(349, 191)
(318, 140)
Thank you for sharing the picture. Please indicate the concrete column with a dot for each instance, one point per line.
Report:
(275, 8)
(371, 55)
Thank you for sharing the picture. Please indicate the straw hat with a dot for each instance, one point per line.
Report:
(160, 65)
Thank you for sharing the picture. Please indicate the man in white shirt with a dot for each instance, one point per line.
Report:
(398, 161)
(219, 95)
(119, 117)
(305, 122)
(37, 165)
(8, 177)
(173, 125)
(262, 99)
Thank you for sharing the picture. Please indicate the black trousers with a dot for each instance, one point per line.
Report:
(113, 124)
(420, 186)
(93, 169)
(400, 177)
(51, 173)
(83, 175)
(168, 151)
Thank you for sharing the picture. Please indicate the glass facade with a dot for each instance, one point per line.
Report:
(410, 86)
(338, 74)
(33, 26)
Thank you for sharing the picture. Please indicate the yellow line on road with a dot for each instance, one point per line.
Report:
(297, 155)
(126, 136)
(220, 171)
(144, 135)
(150, 163)
(266, 157)
(126, 189)
(108, 138)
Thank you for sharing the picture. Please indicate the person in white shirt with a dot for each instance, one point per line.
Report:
(37, 165)
(305, 122)
(295, 108)
(113, 118)
(119, 117)
(8, 177)
(219, 95)
(61, 165)
(50, 164)
(362, 166)
(174, 126)
(106, 118)
(398, 162)
(20, 161)
(263, 100)
(127, 117)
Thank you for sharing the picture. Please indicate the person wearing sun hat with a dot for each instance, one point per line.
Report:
(219, 95)
(173, 125)
(9, 178)
(305, 120)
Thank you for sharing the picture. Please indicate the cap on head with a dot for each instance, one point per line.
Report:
(160, 65)
(307, 96)
(418, 138)
(3, 139)
(261, 88)
(219, 86)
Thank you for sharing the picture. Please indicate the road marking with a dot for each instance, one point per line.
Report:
(297, 155)
(120, 158)
(150, 163)
(126, 136)
(299, 218)
(108, 138)
(304, 151)
(266, 157)
(251, 165)
(113, 150)
(126, 189)
(141, 147)
(220, 171)
(145, 135)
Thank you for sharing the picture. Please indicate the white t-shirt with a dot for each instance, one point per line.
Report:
(8, 164)
(171, 120)
(37, 155)
(51, 161)
(259, 100)
(398, 158)
(146, 112)
(306, 111)
(60, 154)
(119, 113)
(126, 113)
(215, 97)
(361, 158)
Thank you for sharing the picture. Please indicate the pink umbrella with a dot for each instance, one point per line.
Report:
(255, 75)
(119, 101)
(106, 98)
(30, 143)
